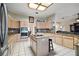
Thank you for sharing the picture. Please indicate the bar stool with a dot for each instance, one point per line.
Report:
(50, 45)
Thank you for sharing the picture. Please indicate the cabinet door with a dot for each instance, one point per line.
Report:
(75, 41)
(59, 39)
(68, 42)
(33, 46)
(10, 25)
(18, 37)
(13, 23)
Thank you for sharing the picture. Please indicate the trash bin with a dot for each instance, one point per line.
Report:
(77, 49)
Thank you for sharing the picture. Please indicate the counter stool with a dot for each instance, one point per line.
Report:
(50, 45)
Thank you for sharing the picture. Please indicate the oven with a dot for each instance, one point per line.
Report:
(24, 31)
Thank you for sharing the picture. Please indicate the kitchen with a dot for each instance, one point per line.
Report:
(33, 29)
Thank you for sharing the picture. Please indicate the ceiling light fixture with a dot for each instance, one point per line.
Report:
(39, 6)
(32, 5)
(46, 4)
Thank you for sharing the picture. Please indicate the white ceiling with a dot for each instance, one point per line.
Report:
(23, 9)
(60, 9)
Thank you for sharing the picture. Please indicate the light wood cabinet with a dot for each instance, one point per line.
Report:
(9, 22)
(68, 41)
(76, 40)
(12, 36)
(18, 37)
(12, 23)
(37, 43)
(24, 23)
(34, 46)
(45, 24)
(11, 41)
(59, 39)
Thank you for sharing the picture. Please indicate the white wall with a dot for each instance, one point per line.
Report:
(65, 24)
(67, 11)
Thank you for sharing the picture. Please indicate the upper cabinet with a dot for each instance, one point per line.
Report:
(23, 23)
(12, 23)
(44, 24)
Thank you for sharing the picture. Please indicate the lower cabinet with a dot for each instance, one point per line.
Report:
(76, 40)
(59, 39)
(18, 36)
(68, 41)
(39, 45)
(33, 46)
(11, 42)
(42, 46)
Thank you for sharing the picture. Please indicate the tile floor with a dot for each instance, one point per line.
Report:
(23, 49)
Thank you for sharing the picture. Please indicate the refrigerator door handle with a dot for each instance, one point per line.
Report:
(3, 23)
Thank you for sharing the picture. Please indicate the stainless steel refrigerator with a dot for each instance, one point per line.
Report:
(3, 30)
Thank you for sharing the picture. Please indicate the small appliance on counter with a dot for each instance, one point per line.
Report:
(3, 30)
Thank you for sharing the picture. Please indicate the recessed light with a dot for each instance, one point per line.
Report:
(36, 12)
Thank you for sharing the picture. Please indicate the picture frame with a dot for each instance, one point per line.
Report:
(31, 19)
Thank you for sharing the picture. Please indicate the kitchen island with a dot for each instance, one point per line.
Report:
(39, 45)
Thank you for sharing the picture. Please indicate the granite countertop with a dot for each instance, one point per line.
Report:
(46, 34)
(38, 36)
(67, 33)
(13, 31)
